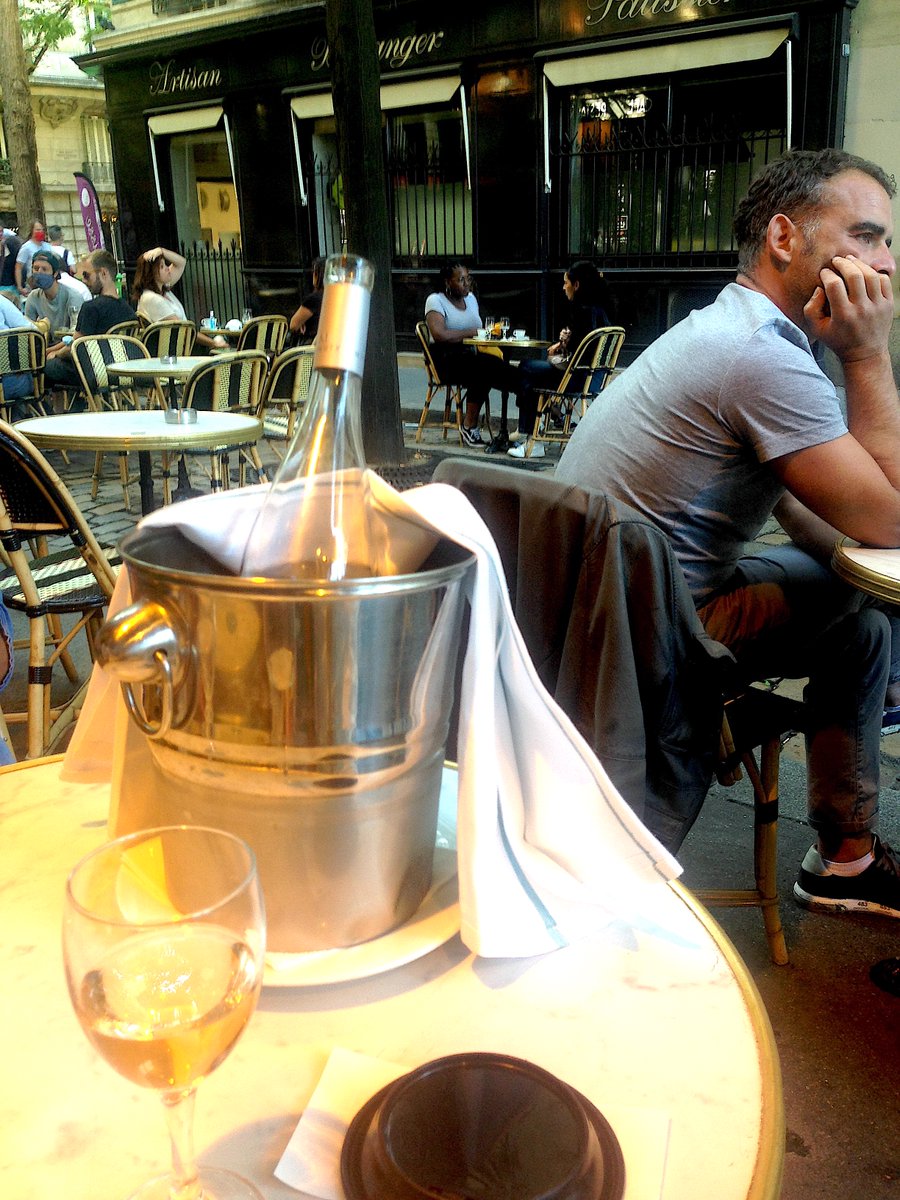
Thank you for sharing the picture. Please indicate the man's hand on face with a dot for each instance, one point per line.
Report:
(852, 310)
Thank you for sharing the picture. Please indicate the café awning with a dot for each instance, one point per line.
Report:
(406, 93)
(186, 120)
(663, 58)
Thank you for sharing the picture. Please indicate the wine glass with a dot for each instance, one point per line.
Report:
(163, 942)
(489, 326)
(504, 326)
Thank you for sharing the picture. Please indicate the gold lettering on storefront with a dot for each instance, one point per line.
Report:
(166, 78)
(395, 51)
(625, 10)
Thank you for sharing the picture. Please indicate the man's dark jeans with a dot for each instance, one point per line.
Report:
(785, 614)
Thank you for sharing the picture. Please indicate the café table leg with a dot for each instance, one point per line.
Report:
(148, 501)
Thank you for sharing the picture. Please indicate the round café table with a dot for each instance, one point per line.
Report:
(657, 1022)
(500, 443)
(143, 432)
(869, 568)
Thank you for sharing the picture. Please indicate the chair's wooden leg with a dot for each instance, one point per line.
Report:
(765, 843)
(215, 473)
(123, 476)
(258, 465)
(166, 478)
(38, 702)
(56, 635)
(95, 478)
(424, 415)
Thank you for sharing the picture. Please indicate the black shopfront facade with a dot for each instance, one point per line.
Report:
(519, 136)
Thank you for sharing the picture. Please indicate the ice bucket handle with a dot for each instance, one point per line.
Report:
(141, 646)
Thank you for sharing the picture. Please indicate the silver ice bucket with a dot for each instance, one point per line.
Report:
(309, 719)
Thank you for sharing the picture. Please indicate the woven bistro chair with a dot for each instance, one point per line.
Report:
(453, 393)
(754, 722)
(69, 576)
(92, 355)
(284, 395)
(229, 383)
(264, 333)
(23, 352)
(126, 329)
(588, 372)
(165, 338)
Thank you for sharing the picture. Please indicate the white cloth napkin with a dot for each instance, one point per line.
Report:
(311, 1163)
(548, 851)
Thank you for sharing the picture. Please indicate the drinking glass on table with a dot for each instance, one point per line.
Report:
(489, 326)
(163, 942)
(504, 326)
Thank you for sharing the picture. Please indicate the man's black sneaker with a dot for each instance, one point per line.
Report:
(471, 437)
(875, 890)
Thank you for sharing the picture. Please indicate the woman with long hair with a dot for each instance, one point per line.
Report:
(587, 302)
(156, 273)
(452, 315)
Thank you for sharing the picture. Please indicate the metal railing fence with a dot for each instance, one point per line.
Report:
(430, 209)
(213, 281)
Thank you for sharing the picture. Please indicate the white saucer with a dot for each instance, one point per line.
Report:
(434, 922)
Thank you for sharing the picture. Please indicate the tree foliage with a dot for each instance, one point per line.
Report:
(46, 24)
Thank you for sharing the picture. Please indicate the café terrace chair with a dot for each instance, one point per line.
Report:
(264, 333)
(69, 576)
(126, 328)
(587, 374)
(453, 393)
(284, 395)
(738, 726)
(23, 352)
(169, 338)
(229, 383)
(101, 391)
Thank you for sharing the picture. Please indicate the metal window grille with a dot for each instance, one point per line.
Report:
(213, 281)
(430, 208)
(660, 197)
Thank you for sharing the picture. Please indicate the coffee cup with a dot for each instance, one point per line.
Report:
(519, 335)
(481, 334)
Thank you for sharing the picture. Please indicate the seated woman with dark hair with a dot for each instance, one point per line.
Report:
(588, 301)
(452, 315)
(155, 275)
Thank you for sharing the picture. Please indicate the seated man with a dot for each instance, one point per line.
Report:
(726, 419)
(50, 301)
(15, 387)
(99, 315)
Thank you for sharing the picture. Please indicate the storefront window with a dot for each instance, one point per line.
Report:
(428, 179)
(650, 173)
(432, 202)
(206, 208)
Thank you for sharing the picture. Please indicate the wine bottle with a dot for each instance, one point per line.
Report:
(317, 521)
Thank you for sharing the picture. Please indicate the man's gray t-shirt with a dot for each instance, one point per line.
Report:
(684, 434)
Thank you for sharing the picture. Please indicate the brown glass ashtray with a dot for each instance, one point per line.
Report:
(481, 1127)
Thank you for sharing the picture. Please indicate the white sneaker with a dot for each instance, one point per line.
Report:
(537, 451)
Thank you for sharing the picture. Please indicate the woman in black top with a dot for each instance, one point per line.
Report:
(588, 301)
(305, 321)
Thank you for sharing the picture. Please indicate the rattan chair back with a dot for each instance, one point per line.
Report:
(24, 352)
(264, 333)
(165, 338)
(78, 579)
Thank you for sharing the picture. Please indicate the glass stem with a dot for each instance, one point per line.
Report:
(179, 1109)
